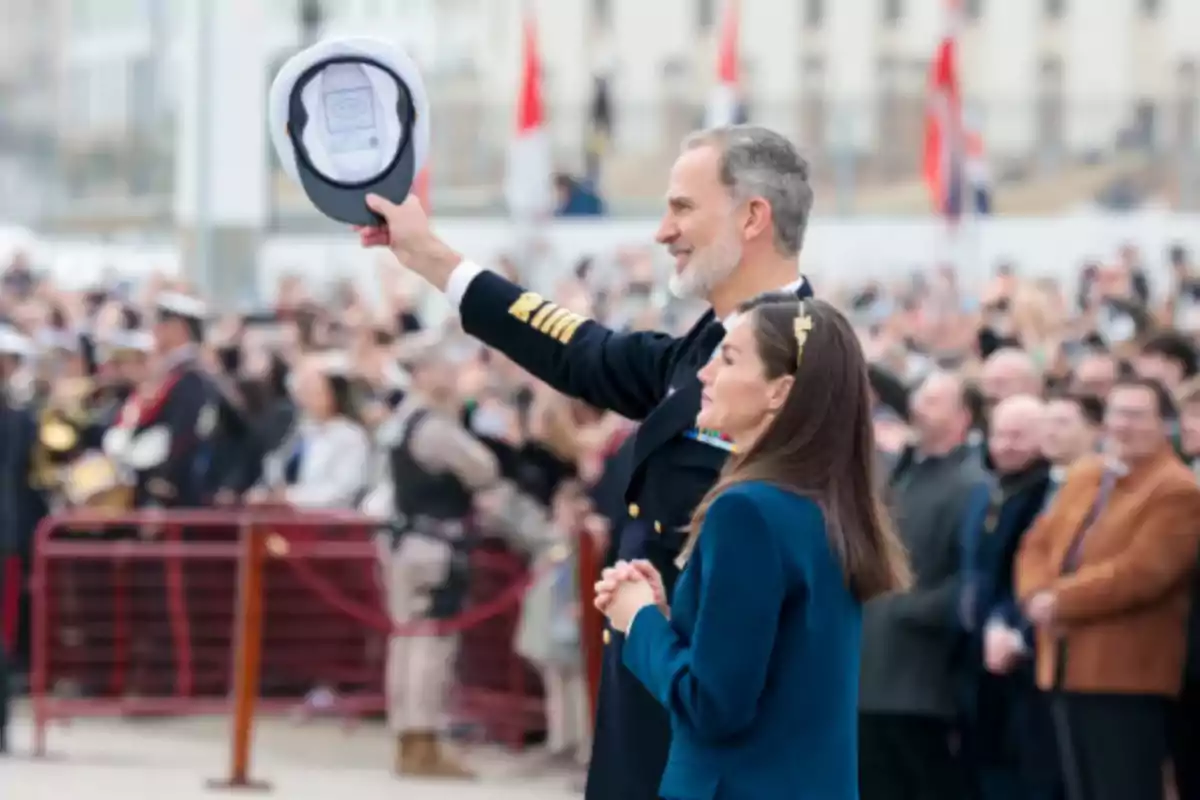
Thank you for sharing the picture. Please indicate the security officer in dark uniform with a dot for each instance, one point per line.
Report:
(738, 201)
(18, 513)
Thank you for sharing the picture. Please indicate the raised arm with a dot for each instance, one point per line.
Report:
(626, 373)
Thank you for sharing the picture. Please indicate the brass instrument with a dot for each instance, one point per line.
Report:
(93, 480)
(61, 424)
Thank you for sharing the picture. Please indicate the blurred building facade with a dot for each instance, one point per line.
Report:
(1073, 98)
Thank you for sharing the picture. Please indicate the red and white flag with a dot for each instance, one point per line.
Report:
(724, 106)
(529, 186)
(944, 141)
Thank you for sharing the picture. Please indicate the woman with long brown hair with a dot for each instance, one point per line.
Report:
(757, 657)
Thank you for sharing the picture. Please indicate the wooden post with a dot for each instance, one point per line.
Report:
(247, 664)
(591, 622)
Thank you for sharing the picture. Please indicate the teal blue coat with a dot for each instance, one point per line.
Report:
(758, 664)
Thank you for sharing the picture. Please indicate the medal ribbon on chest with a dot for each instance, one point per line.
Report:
(142, 408)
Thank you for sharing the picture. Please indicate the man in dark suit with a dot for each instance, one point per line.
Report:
(910, 641)
(1007, 735)
(738, 201)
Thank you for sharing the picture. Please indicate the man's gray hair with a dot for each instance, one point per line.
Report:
(758, 162)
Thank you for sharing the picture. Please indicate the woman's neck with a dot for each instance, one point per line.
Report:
(744, 440)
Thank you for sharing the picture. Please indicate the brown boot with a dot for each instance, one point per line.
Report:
(406, 751)
(431, 761)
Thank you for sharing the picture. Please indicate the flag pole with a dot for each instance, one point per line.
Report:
(525, 213)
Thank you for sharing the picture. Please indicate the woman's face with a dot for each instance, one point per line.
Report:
(738, 400)
(313, 393)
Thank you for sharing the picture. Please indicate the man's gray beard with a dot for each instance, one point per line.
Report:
(700, 278)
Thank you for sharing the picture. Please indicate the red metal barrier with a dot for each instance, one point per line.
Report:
(198, 612)
(591, 620)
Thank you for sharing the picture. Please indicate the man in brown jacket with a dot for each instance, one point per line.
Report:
(1104, 578)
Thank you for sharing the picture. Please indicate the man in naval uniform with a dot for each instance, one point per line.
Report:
(432, 477)
(738, 202)
(161, 439)
(161, 434)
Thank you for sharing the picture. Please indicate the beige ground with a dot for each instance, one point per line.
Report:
(111, 759)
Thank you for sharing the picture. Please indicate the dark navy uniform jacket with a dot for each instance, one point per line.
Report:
(650, 377)
(185, 416)
(21, 507)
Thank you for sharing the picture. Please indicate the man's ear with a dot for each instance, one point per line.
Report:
(758, 217)
(778, 390)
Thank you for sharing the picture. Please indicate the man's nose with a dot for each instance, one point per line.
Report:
(668, 231)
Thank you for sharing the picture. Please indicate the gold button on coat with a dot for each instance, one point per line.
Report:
(634, 510)
(657, 526)
(607, 637)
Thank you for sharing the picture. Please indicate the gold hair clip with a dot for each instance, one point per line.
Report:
(801, 326)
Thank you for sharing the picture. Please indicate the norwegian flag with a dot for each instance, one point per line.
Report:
(529, 186)
(724, 105)
(944, 140)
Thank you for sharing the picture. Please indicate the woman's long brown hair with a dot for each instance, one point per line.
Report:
(821, 444)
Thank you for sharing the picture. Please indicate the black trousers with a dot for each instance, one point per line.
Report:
(909, 757)
(5, 699)
(1113, 747)
(1185, 740)
(6, 668)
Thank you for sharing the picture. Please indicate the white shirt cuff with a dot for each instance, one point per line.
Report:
(460, 280)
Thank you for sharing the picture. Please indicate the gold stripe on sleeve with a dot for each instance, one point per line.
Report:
(539, 319)
(525, 305)
(554, 320)
(565, 331)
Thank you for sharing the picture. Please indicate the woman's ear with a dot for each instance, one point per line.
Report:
(777, 392)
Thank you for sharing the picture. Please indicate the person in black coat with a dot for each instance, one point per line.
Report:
(18, 511)
(738, 202)
(1007, 728)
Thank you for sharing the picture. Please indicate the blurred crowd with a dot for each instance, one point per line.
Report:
(1037, 441)
(1038, 444)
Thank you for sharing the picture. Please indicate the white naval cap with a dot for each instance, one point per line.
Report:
(181, 305)
(348, 116)
(129, 341)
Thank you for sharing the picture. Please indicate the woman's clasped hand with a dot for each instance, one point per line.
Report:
(626, 588)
